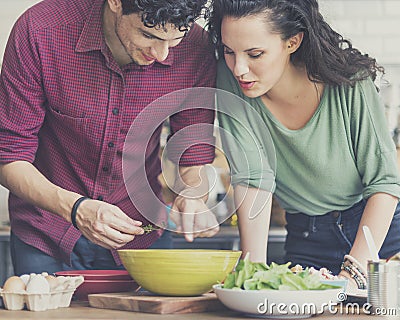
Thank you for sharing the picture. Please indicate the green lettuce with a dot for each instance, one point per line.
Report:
(260, 276)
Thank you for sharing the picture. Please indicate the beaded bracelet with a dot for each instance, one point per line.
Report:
(75, 209)
(356, 264)
(359, 280)
(354, 269)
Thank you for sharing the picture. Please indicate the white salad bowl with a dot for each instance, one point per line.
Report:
(280, 303)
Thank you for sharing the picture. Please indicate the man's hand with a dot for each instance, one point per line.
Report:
(106, 225)
(193, 218)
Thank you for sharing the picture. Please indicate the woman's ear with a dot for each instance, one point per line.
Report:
(294, 42)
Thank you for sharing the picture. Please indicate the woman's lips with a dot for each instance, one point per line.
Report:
(246, 84)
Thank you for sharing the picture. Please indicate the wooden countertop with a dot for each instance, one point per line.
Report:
(82, 311)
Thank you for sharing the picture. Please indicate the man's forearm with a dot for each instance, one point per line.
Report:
(26, 182)
(192, 182)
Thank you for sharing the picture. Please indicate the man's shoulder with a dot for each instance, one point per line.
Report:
(53, 13)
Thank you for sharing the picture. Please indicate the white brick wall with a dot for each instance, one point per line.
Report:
(10, 11)
(372, 25)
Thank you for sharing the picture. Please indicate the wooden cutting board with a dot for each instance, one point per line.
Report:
(144, 301)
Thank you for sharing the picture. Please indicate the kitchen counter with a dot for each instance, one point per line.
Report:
(83, 311)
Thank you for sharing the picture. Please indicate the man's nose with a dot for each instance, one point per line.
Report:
(161, 51)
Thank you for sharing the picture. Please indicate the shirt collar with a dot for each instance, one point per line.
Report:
(92, 38)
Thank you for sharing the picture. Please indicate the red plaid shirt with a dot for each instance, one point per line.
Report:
(67, 107)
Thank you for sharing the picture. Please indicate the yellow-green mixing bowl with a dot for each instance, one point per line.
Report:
(178, 272)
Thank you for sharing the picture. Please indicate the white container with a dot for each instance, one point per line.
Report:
(42, 301)
(13, 301)
(37, 301)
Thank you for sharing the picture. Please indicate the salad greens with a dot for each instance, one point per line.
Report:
(259, 276)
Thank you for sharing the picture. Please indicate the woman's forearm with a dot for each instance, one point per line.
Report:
(254, 212)
(377, 215)
(26, 182)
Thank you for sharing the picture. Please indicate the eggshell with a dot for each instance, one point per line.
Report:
(14, 284)
(37, 284)
(25, 278)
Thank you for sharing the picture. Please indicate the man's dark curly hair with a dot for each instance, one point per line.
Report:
(159, 13)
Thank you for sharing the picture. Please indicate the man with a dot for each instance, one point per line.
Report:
(75, 76)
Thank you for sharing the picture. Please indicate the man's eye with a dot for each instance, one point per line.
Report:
(147, 36)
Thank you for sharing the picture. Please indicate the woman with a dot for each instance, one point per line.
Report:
(336, 165)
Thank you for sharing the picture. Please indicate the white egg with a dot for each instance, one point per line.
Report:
(37, 284)
(25, 278)
(14, 284)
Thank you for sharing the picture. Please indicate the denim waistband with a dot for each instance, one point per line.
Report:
(327, 218)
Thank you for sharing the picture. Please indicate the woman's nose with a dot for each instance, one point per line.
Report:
(240, 68)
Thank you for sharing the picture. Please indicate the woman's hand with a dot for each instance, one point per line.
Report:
(193, 218)
(106, 225)
(352, 270)
(352, 286)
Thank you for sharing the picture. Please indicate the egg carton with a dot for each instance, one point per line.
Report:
(39, 301)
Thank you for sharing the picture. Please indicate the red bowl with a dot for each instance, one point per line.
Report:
(104, 286)
(97, 274)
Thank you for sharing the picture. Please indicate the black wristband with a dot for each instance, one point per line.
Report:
(75, 209)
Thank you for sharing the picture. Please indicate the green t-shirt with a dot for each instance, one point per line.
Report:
(343, 154)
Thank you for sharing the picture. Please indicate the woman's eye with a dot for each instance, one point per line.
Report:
(228, 51)
(256, 55)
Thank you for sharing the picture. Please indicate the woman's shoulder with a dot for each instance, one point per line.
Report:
(361, 83)
(361, 92)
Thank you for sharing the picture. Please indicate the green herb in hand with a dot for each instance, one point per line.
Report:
(149, 228)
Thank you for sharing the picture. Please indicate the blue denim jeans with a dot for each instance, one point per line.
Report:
(86, 255)
(322, 241)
